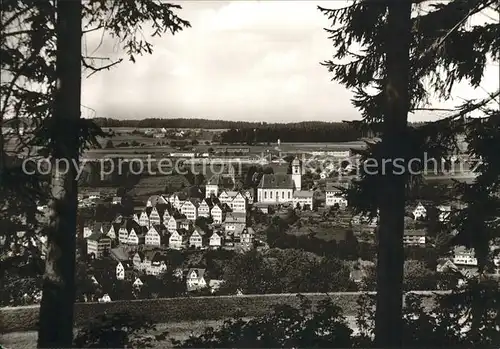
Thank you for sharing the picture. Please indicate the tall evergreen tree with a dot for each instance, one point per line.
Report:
(42, 58)
(444, 50)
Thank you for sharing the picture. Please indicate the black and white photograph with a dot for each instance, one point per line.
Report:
(250, 174)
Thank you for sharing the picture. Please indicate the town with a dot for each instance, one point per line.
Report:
(181, 235)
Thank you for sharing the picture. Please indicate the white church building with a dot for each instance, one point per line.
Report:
(284, 188)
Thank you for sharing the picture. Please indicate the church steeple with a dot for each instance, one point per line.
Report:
(297, 173)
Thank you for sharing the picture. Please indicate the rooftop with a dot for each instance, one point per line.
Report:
(276, 181)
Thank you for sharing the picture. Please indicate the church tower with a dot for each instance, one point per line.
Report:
(297, 173)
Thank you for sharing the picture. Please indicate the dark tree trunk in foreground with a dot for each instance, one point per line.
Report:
(388, 327)
(56, 310)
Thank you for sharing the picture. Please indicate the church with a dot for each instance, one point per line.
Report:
(284, 188)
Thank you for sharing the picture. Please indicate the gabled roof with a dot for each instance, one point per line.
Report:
(119, 253)
(276, 181)
(249, 230)
(127, 264)
(98, 237)
(216, 206)
(199, 272)
(303, 194)
(157, 199)
(208, 202)
(446, 263)
(232, 193)
(223, 181)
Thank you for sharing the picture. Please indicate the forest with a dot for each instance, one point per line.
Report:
(298, 132)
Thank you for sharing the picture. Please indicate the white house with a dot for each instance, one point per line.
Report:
(226, 197)
(154, 217)
(334, 194)
(172, 224)
(303, 198)
(166, 218)
(111, 233)
(215, 240)
(190, 209)
(123, 235)
(144, 219)
(464, 257)
(134, 238)
(196, 239)
(204, 208)
(414, 237)
(175, 240)
(137, 283)
(135, 218)
(247, 237)
(217, 214)
(420, 211)
(157, 266)
(239, 203)
(122, 268)
(195, 279)
(234, 222)
(176, 201)
(98, 244)
(184, 223)
(152, 237)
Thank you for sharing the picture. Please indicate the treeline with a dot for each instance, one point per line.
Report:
(175, 123)
(297, 132)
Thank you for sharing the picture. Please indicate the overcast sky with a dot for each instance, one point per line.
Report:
(241, 60)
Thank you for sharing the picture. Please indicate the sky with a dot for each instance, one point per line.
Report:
(240, 60)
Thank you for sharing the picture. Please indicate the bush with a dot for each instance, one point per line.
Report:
(120, 330)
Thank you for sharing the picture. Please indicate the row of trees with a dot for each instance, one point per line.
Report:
(285, 271)
(298, 132)
(174, 123)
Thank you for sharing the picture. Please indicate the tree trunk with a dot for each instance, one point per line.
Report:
(388, 324)
(56, 310)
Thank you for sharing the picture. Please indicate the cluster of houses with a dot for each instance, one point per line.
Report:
(174, 222)
(464, 261)
(421, 212)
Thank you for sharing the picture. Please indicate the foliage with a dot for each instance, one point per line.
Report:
(283, 327)
(417, 277)
(437, 64)
(285, 271)
(19, 290)
(298, 132)
(323, 326)
(119, 330)
(28, 47)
